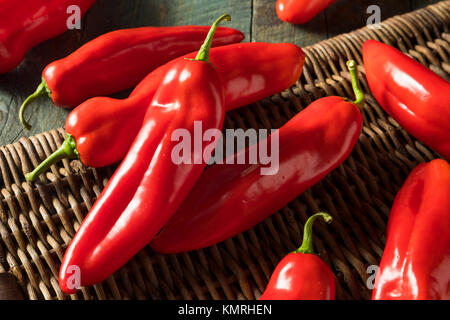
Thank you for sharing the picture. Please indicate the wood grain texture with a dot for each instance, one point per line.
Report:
(256, 18)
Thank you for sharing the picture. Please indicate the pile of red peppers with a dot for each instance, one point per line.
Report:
(175, 207)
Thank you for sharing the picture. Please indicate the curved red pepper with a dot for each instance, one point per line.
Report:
(249, 72)
(416, 260)
(25, 24)
(302, 275)
(119, 60)
(311, 145)
(301, 11)
(412, 94)
(148, 186)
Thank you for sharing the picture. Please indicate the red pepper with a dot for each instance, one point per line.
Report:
(302, 275)
(148, 186)
(416, 260)
(412, 94)
(301, 11)
(26, 23)
(119, 60)
(249, 72)
(231, 198)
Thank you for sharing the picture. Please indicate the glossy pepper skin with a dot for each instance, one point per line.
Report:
(302, 275)
(249, 72)
(231, 198)
(148, 186)
(119, 60)
(25, 24)
(301, 11)
(412, 94)
(416, 260)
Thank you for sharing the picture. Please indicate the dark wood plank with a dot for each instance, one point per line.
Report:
(110, 15)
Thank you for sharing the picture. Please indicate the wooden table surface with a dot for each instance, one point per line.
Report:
(256, 18)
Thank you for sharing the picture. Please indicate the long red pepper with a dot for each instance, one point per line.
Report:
(412, 94)
(148, 186)
(302, 275)
(301, 11)
(26, 23)
(416, 260)
(119, 60)
(231, 198)
(249, 72)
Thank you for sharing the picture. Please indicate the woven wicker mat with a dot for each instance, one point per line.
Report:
(37, 220)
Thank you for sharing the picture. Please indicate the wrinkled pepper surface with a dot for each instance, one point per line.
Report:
(416, 259)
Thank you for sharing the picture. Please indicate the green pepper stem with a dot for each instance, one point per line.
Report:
(41, 90)
(68, 150)
(359, 94)
(203, 53)
(307, 245)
